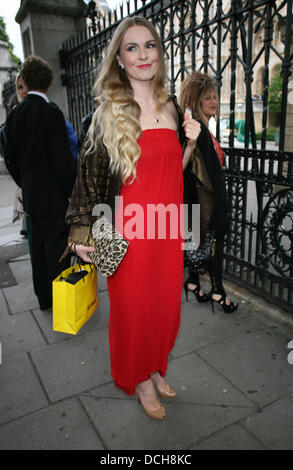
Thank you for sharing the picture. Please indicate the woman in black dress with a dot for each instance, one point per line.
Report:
(204, 184)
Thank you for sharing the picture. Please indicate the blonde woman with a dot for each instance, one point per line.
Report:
(133, 150)
(204, 184)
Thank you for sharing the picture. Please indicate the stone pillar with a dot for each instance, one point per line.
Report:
(7, 65)
(45, 25)
(289, 119)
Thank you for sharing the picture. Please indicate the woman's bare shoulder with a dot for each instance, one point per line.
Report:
(171, 111)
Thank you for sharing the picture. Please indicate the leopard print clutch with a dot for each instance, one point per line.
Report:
(110, 247)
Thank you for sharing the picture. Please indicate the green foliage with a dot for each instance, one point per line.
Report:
(270, 133)
(275, 91)
(4, 37)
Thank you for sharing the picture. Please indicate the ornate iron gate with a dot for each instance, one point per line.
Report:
(238, 42)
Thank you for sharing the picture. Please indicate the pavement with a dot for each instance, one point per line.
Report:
(232, 373)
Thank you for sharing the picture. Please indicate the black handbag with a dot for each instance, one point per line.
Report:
(198, 258)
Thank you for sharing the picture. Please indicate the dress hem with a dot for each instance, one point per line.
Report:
(131, 392)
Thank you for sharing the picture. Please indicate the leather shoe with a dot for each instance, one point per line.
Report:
(158, 413)
(168, 393)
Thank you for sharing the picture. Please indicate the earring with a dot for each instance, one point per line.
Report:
(121, 66)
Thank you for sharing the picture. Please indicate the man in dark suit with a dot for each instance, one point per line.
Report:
(39, 159)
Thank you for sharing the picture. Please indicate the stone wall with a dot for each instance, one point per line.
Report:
(6, 64)
(44, 25)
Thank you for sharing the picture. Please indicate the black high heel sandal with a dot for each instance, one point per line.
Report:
(200, 298)
(228, 308)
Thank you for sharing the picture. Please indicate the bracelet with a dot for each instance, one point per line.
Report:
(192, 144)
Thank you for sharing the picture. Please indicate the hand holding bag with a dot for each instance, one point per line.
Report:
(74, 298)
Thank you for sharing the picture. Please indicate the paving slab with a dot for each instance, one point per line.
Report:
(20, 390)
(9, 231)
(7, 239)
(6, 276)
(19, 333)
(274, 424)
(99, 320)
(3, 306)
(124, 425)
(25, 257)
(8, 190)
(200, 327)
(235, 437)
(102, 283)
(198, 382)
(205, 403)
(63, 426)
(75, 365)
(15, 252)
(6, 215)
(256, 363)
(21, 297)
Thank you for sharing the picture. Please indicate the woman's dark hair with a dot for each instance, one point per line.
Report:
(37, 74)
(192, 91)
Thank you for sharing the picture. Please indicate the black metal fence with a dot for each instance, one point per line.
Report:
(238, 42)
(9, 96)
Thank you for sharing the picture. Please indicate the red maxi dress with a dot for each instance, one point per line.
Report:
(145, 291)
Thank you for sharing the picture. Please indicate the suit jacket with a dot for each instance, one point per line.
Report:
(38, 156)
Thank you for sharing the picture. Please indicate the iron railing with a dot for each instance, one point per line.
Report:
(238, 42)
(9, 96)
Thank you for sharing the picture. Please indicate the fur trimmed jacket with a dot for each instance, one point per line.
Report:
(95, 184)
(204, 184)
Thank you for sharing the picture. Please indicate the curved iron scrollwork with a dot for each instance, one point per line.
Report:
(277, 236)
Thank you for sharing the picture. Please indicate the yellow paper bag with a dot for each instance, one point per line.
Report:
(74, 304)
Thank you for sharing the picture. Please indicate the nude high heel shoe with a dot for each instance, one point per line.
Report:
(169, 393)
(159, 413)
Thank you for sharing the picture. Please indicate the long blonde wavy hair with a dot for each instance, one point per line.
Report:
(116, 120)
(193, 89)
